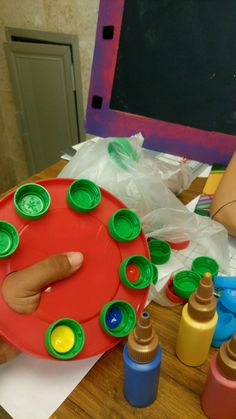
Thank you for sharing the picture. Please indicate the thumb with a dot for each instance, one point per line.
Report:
(21, 290)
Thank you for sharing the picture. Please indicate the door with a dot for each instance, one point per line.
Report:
(43, 83)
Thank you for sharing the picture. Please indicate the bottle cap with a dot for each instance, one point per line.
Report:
(117, 318)
(202, 303)
(121, 151)
(204, 264)
(9, 239)
(179, 245)
(31, 201)
(228, 299)
(136, 272)
(220, 308)
(159, 251)
(83, 195)
(185, 283)
(170, 293)
(155, 274)
(124, 225)
(217, 343)
(225, 282)
(225, 327)
(143, 341)
(64, 339)
(226, 359)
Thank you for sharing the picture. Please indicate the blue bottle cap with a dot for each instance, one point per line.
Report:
(220, 308)
(225, 282)
(225, 327)
(228, 299)
(217, 343)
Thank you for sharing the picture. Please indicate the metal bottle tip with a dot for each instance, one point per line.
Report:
(144, 319)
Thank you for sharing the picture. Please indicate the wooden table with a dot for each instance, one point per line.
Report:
(100, 393)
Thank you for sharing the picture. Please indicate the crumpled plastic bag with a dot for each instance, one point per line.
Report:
(206, 238)
(176, 176)
(139, 182)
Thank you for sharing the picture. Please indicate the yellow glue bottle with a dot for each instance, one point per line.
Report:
(197, 324)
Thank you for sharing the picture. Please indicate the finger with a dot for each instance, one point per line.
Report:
(50, 270)
(21, 290)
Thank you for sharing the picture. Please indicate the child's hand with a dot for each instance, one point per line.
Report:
(22, 290)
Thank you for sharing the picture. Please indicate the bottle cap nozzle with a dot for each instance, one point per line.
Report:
(232, 347)
(202, 303)
(143, 341)
(226, 358)
(204, 292)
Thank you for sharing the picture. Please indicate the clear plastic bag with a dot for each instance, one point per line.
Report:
(134, 177)
(206, 238)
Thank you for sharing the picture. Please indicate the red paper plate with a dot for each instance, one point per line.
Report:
(81, 296)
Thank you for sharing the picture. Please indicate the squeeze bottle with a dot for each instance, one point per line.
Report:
(142, 360)
(218, 399)
(197, 324)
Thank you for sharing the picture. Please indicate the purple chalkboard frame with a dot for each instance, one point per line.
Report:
(197, 144)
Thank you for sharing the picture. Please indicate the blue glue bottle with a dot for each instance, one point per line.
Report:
(142, 361)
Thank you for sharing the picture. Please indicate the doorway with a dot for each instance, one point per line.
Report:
(44, 69)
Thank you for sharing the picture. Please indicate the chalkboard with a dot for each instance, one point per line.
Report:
(167, 68)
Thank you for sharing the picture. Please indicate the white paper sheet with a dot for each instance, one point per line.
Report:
(32, 388)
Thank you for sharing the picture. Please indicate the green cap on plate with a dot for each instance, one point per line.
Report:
(160, 251)
(144, 268)
(9, 239)
(124, 225)
(31, 201)
(155, 274)
(186, 282)
(118, 318)
(64, 339)
(83, 195)
(121, 151)
(204, 264)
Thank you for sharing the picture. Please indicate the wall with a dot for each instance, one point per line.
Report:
(65, 16)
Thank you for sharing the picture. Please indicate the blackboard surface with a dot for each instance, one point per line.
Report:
(177, 62)
(167, 69)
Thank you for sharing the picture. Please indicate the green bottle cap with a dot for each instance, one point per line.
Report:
(121, 151)
(31, 201)
(118, 309)
(204, 264)
(83, 195)
(145, 269)
(9, 239)
(124, 225)
(159, 251)
(186, 282)
(155, 274)
(64, 339)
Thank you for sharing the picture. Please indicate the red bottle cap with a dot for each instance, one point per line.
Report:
(171, 294)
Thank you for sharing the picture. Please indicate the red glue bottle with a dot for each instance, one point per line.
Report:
(218, 400)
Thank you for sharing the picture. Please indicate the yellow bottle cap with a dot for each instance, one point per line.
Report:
(62, 339)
